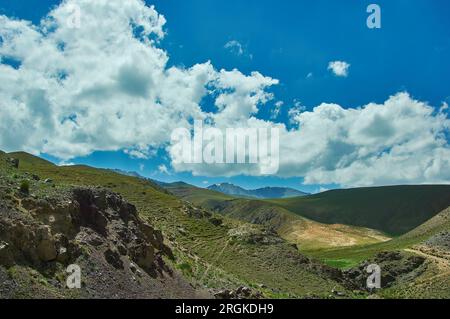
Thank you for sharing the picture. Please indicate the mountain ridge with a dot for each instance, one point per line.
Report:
(258, 193)
(394, 210)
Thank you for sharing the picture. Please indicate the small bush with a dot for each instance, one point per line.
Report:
(25, 187)
(185, 268)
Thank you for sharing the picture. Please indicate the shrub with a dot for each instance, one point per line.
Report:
(185, 268)
(25, 187)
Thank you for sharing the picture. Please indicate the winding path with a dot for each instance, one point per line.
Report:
(442, 264)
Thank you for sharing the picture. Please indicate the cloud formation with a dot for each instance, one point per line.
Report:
(402, 141)
(339, 68)
(237, 48)
(163, 169)
(107, 86)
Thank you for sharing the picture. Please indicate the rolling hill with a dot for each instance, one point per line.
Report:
(430, 239)
(305, 233)
(350, 247)
(338, 218)
(394, 210)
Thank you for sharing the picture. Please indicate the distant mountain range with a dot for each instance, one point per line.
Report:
(260, 193)
(227, 188)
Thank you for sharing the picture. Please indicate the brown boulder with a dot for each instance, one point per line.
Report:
(46, 244)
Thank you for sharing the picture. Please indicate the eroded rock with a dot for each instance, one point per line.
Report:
(395, 267)
(93, 219)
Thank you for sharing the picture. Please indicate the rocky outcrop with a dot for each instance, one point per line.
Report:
(91, 217)
(440, 241)
(395, 267)
(90, 227)
(14, 162)
(195, 212)
(254, 234)
(25, 242)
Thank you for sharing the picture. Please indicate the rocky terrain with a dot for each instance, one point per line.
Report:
(395, 267)
(119, 254)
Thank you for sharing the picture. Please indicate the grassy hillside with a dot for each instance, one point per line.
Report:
(433, 226)
(349, 256)
(345, 246)
(212, 252)
(429, 240)
(307, 234)
(394, 210)
(337, 244)
(200, 196)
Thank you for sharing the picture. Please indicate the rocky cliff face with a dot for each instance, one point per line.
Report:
(118, 253)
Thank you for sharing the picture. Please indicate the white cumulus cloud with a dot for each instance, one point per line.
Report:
(402, 141)
(339, 68)
(106, 86)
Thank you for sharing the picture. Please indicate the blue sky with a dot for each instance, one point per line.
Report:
(294, 41)
(289, 39)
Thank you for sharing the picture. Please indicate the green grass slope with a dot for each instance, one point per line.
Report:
(394, 210)
(305, 233)
(426, 240)
(249, 210)
(206, 253)
(433, 226)
(409, 205)
(350, 256)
